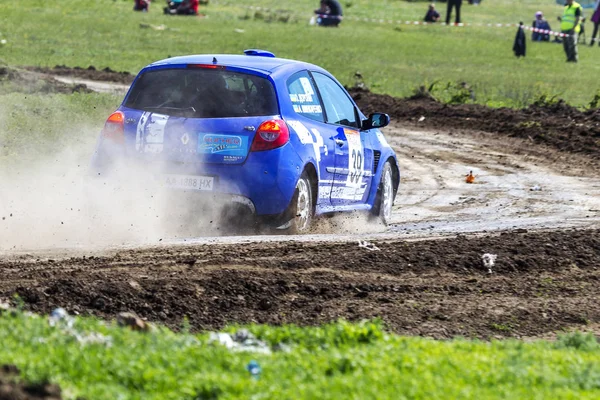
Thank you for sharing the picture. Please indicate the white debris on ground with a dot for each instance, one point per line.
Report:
(59, 318)
(242, 340)
(93, 338)
(368, 245)
(488, 261)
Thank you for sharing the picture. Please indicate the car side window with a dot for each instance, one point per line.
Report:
(339, 108)
(304, 96)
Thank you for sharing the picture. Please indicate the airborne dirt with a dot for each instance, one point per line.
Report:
(535, 204)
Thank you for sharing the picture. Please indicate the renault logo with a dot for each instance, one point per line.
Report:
(185, 138)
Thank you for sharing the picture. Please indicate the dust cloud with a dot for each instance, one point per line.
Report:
(59, 201)
(348, 223)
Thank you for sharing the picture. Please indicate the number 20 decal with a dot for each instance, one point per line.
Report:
(356, 170)
(355, 158)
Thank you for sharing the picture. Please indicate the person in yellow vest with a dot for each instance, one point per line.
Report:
(570, 25)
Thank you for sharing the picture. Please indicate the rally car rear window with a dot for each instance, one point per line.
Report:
(203, 93)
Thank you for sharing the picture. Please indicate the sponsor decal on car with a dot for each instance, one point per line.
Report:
(348, 193)
(150, 133)
(307, 138)
(219, 143)
(232, 148)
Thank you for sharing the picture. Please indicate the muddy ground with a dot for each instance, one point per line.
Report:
(535, 205)
(541, 282)
(557, 125)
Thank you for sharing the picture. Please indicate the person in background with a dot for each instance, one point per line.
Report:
(141, 5)
(329, 13)
(432, 15)
(570, 26)
(540, 23)
(596, 20)
(185, 7)
(456, 4)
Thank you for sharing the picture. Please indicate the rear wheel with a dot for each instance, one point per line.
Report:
(301, 210)
(385, 195)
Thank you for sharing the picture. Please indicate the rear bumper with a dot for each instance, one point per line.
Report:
(264, 183)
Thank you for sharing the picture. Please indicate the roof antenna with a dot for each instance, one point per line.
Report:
(214, 60)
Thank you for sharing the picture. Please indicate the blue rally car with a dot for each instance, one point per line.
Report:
(276, 139)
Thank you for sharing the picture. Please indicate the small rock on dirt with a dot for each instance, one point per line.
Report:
(129, 319)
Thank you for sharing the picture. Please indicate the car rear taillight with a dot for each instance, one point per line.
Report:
(271, 134)
(114, 128)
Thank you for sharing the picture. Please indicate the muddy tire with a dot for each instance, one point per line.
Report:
(301, 210)
(384, 200)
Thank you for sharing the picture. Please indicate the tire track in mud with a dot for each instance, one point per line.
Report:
(515, 186)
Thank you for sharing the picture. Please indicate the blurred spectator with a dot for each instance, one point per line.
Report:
(141, 5)
(596, 20)
(456, 4)
(540, 23)
(329, 13)
(185, 7)
(432, 15)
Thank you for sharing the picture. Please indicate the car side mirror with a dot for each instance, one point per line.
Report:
(376, 120)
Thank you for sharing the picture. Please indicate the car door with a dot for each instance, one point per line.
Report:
(314, 140)
(351, 179)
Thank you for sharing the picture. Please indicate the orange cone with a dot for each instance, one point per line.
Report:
(470, 177)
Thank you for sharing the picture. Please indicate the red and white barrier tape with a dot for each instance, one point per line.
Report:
(401, 22)
(546, 31)
(388, 21)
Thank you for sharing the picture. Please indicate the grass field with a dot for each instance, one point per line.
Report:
(335, 361)
(37, 126)
(392, 58)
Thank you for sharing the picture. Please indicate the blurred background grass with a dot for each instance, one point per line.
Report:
(393, 58)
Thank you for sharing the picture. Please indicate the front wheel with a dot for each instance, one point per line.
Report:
(384, 200)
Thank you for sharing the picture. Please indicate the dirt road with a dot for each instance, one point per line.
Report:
(534, 205)
(516, 185)
(543, 280)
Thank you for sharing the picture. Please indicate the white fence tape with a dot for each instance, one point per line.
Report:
(380, 20)
(545, 31)
(402, 22)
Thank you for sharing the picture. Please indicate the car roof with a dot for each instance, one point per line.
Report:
(257, 63)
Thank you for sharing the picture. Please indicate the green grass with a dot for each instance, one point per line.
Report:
(35, 126)
(393, 59)
(339, 360)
